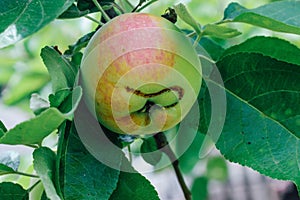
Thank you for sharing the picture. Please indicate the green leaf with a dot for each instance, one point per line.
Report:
(2, 129)
(81, 43)
(62, 73)
(5, 169)
(59, 97)
(44, 196)
(89, 5)
(12, 191)
(149, 151)
(233, 10)
(84, 177)
(126, 6)
(86, 5)
(288, 55)
(220, 31)
(133, 186)
(73, 12)
(74, 101)
(279, 49)
(282, 16)
(262, 125)
(200, 188)
(2, 126)
(44, 165)
(19, 19)
(76, 59)
(216, 168)
(213, 49)
(67, 101)
(184, 14)
(34, 130)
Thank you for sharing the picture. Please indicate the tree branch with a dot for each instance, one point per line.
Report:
(162, 144)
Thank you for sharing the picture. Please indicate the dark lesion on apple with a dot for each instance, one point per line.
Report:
(179, 90)
(148, 105)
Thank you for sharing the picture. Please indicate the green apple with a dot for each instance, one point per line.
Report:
(140, 74)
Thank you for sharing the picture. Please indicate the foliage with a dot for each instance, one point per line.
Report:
(261, 77)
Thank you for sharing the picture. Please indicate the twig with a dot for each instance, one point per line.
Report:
(136, 7)
(146, 5)
(33, 186)
(94, 20)
(32, 146)
(25, 174)
(192, 34)
(106, 17)
(198, 39)
(163, 145)
(118, 7)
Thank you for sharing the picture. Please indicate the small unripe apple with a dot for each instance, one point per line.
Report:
(140, 74)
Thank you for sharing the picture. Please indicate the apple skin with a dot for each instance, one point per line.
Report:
(140, 74)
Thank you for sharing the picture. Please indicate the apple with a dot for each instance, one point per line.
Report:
(140, 74)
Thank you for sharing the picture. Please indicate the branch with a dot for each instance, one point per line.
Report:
(33, 186)
(105, 16)
(163, 145)
(138, 8)
(25, 174)
(94, 20)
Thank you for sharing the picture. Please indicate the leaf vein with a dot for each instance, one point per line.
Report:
(272, 92)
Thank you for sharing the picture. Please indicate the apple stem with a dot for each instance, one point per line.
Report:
(105, 16)
(163, 145)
